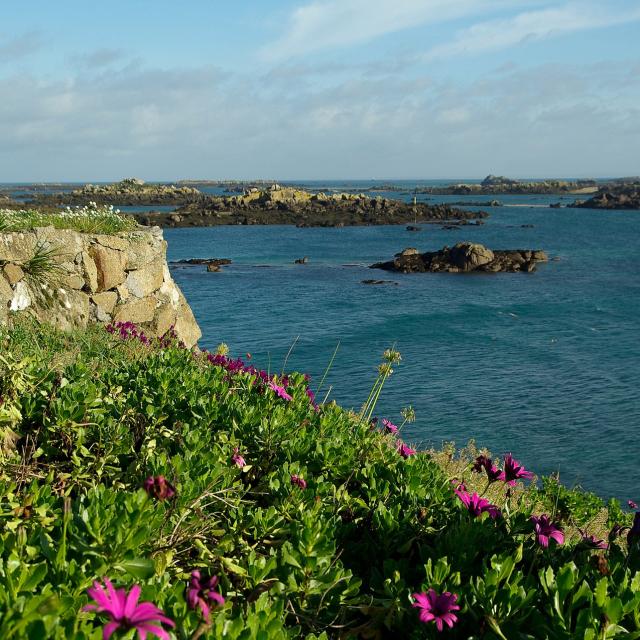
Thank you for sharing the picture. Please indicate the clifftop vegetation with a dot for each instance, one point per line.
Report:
(153, 490)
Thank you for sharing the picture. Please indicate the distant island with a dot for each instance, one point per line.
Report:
(266, 202)
(493, 185)
(283, 205)
(275, 204)
(127, 192)
(622, 196)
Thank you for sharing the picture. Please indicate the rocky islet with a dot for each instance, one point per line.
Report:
(464, 257)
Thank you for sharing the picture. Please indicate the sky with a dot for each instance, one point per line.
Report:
(318, 89)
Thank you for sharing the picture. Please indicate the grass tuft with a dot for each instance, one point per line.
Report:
(88, 219)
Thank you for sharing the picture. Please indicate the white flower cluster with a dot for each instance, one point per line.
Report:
(92, 210)
(92, 216)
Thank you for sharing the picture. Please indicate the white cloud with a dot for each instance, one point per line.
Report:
(325, 24)
(202, 122)
(535, 25)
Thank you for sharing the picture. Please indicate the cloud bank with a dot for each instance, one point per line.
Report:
(203, 122)
(534, 25)
(307, 113)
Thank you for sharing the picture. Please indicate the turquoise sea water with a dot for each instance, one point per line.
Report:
(544, 365)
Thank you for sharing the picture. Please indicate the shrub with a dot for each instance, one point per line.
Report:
(240, 509)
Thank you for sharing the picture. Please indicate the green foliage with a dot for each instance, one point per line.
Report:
(339, 558)
(42, 265)
(90, 219)
(570, 505)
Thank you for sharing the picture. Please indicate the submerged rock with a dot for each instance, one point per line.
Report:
(216, 261)
(378, 282)
(464, 257)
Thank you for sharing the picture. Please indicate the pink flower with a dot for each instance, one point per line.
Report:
(632, 504)
(237, 459)
(404, 450)
(299, 481)
(513, 471)
(482, 462)
(126, 613)
(477, 505)
(159, 487)
(389, 427)
(201, 594)
(280, 391)
(437, 608)
(594, 543)
(546, 530)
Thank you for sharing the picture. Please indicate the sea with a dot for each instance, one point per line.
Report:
(543, 365)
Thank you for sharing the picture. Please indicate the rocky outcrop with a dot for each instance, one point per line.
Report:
(84, 278)
(622, 197)
(502, 185)
(128, 192)
(205, 261)
(495, 181)
(464, 257)
(280, 205)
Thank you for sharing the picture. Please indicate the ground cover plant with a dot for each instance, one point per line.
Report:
(92, 218)
(147, 490)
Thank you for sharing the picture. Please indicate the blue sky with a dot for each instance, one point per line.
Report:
(319, 89)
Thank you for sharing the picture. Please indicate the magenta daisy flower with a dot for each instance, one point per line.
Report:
(477, 505)
(437, 608)
(483, 462)
(126, 613)
(546, 530)
(280, 391)
(593, 543)
(159, 487)
(404, 449)
(632, 504)
(202, 594)
(298, 481)
(389, 427)
(513, 471)
(312, 399)
(237, 459)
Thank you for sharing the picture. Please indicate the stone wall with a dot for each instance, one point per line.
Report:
(93, 278)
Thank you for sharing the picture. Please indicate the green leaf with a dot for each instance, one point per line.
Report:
(495, 627)
(37, 573)
(613, 610)
(233, 567)
(601, 592)
(141, 568)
